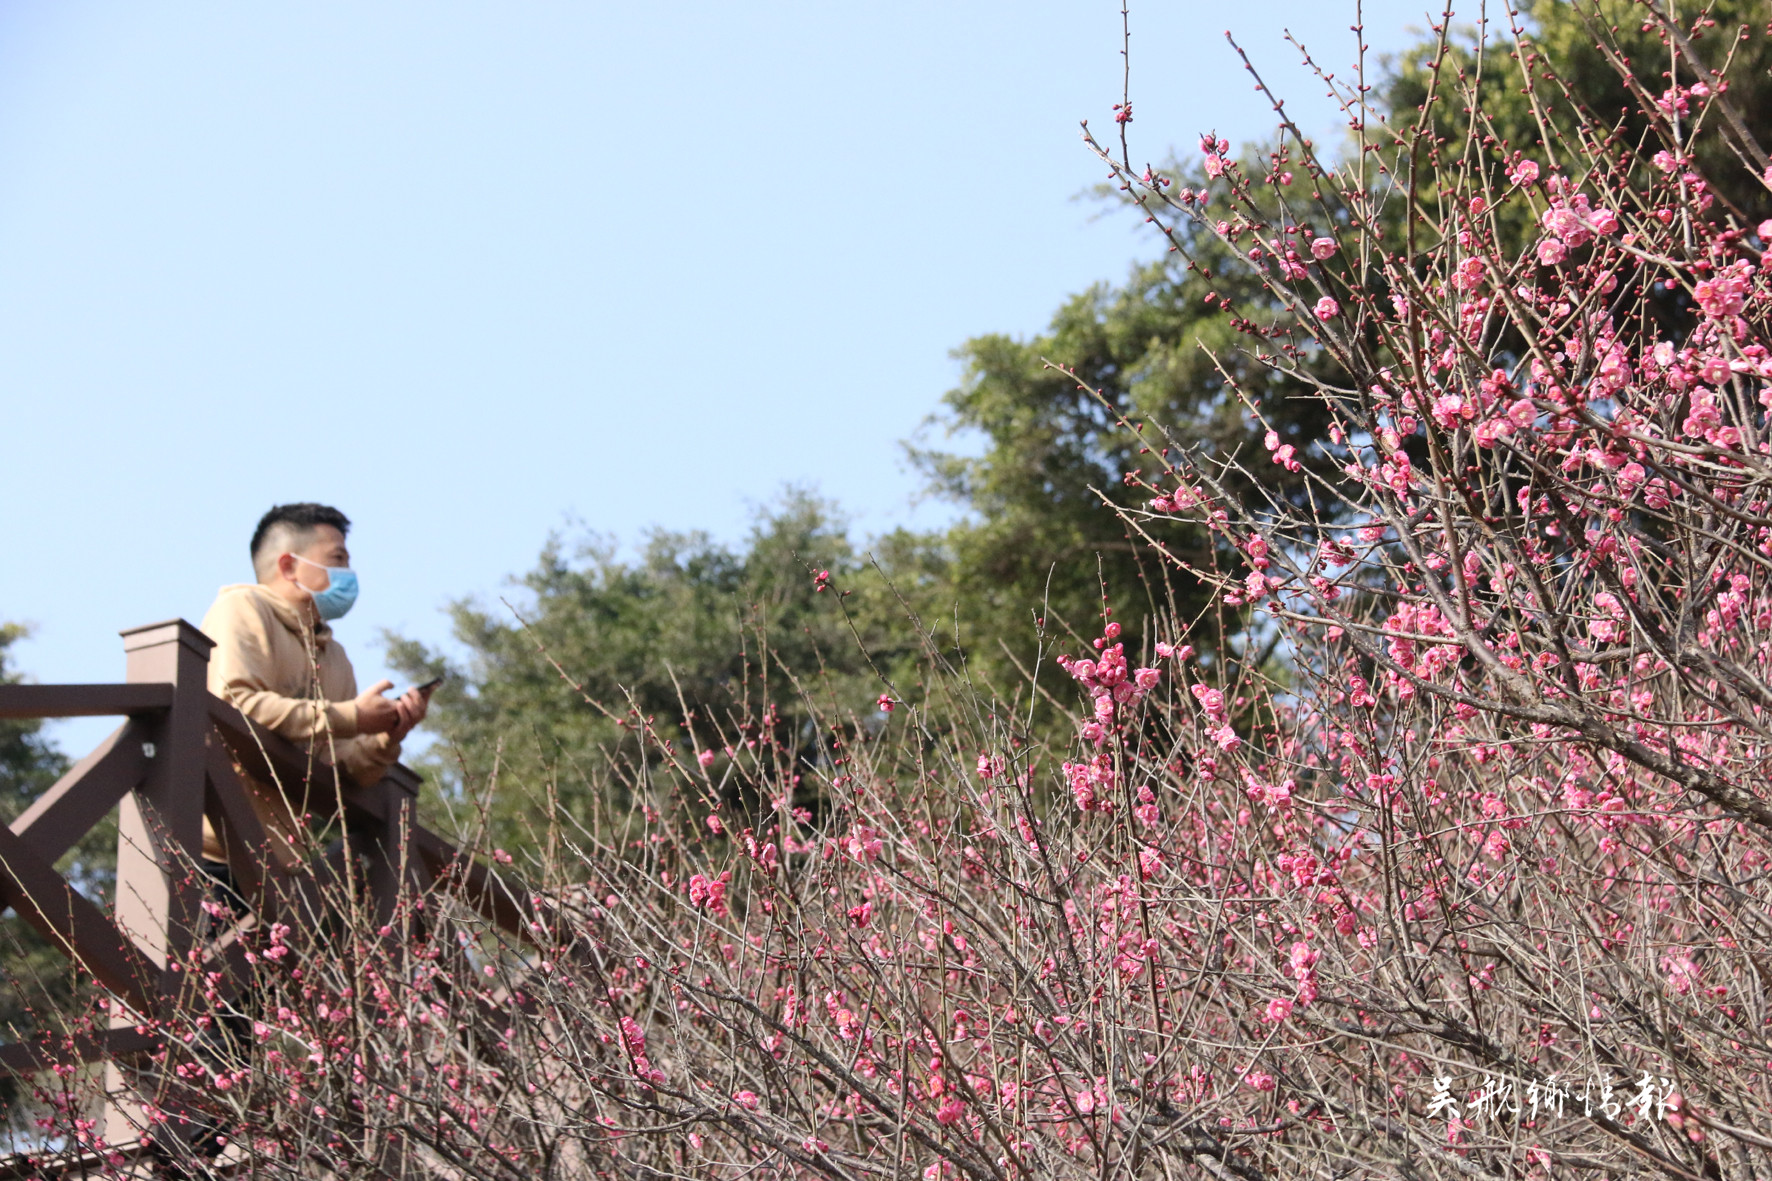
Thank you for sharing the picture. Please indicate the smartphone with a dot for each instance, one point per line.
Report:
(430, 684)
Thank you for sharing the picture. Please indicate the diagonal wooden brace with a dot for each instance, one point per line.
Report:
(75, 925)
(63, 814)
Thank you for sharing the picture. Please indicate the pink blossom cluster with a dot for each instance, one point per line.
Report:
(1181, 500)
(1111, 682)
(709, 893)
(1569, 222)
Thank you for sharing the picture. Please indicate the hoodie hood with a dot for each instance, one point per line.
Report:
(283, 610)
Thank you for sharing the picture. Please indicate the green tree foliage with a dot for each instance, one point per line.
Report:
(561, 677)
(28, 762)
(1591, 56)
(37, 982)
(1040, 536)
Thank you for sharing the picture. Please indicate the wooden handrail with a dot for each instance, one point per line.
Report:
(82, 701)
(23, 1057)
(272, 759)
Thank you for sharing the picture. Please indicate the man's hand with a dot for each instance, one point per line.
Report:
(412, 707)
(375, 713)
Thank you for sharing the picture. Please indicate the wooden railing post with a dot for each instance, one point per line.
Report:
(161, 823)
(393, 863)
(160, 828)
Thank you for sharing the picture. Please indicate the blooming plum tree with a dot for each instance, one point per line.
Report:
(1448, 858)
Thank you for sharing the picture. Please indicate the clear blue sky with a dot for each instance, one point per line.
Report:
(475, 271)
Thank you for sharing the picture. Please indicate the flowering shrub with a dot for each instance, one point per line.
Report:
(1451, 861)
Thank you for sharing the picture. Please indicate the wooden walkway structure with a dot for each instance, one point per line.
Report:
(175, 759)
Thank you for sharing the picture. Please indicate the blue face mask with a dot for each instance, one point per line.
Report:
(340, 592)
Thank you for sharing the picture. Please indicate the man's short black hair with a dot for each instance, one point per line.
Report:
(295, 521)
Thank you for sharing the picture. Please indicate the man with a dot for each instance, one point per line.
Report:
(275, 661)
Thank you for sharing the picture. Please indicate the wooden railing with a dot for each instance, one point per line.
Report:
(177, 758)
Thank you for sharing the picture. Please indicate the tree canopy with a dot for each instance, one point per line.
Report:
(1034, 446)
(591, 650)
(1604, 63)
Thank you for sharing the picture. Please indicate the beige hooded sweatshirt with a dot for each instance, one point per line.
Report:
(294, 679)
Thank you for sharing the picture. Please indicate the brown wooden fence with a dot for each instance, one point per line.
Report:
(175, 759)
